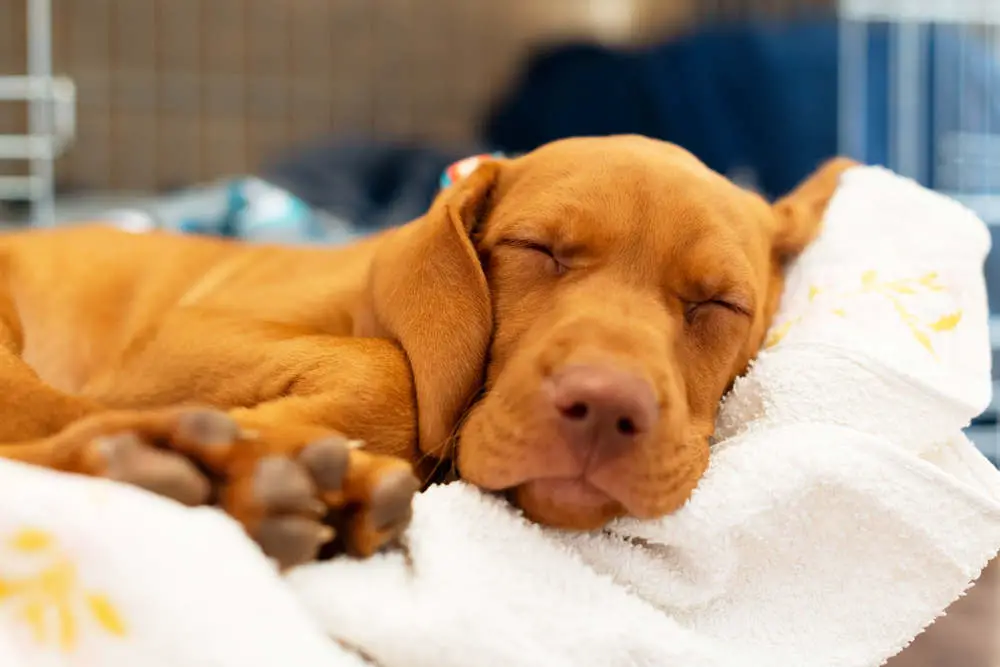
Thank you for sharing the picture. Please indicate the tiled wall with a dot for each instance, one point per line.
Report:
(176, 91)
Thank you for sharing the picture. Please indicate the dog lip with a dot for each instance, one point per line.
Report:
(568, 503)
(572, 487)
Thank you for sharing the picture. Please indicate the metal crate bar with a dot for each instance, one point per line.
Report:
(927, 11)
(51, 118)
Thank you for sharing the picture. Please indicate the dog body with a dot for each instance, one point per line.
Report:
(119, 320)
(570, 318)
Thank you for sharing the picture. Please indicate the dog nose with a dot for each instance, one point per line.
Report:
(603, 407)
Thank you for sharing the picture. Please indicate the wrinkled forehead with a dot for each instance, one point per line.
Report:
(610, 191)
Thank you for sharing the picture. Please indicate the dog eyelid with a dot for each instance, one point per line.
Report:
(732, 305)
(541, 248)
(527, 244)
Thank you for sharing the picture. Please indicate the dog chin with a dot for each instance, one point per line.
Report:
(572, 504)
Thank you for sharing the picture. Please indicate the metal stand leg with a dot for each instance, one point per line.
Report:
(40, 111)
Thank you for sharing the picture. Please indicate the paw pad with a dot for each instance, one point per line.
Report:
(126, 458)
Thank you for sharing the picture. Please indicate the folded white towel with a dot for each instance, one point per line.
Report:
(804, 545)
(883, 322)
(841, 513)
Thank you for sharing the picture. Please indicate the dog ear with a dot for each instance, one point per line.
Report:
(427, 290)
(799, 214)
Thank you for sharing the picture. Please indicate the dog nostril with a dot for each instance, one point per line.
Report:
(626, 426)
(576, 412)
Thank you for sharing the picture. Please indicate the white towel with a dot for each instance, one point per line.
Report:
(841, 513)
(883, 322)
(805, 545)
(98, 573)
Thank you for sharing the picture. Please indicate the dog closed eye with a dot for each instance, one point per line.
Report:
(553, 262)
(693, 310)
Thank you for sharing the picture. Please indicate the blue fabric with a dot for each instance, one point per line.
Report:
(758, 96)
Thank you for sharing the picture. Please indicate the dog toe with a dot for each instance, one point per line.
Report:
(383, 516)
(292, 540)
(283, 486)
(206, 434)
(125, 457)
(327, 460)
(206, 427)
(391, 502)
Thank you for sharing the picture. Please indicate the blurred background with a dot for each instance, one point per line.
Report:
(319, 121)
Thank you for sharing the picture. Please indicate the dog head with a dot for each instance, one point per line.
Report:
(597, 296)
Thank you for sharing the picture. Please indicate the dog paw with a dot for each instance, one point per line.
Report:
(296, 490)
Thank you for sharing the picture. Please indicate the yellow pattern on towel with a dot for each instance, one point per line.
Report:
(52, 601)
(896, 293)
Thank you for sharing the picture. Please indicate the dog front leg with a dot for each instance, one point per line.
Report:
(29, 408)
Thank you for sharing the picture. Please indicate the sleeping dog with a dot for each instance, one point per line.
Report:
(559, 327)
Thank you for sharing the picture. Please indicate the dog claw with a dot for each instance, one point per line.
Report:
(292, 540)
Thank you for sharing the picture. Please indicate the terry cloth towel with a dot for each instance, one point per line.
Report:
(841, 513)
(93, 572)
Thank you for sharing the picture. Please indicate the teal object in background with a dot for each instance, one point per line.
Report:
(259, 211)
(249, 209)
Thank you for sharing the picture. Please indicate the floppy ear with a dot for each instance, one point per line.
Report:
(798, 215)
(427, 290)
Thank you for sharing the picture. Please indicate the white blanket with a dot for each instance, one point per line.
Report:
(841, 513)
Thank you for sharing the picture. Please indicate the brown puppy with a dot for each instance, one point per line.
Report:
(597, 296)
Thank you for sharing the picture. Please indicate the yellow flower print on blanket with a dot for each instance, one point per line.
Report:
(52, 601)
(898, 294)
